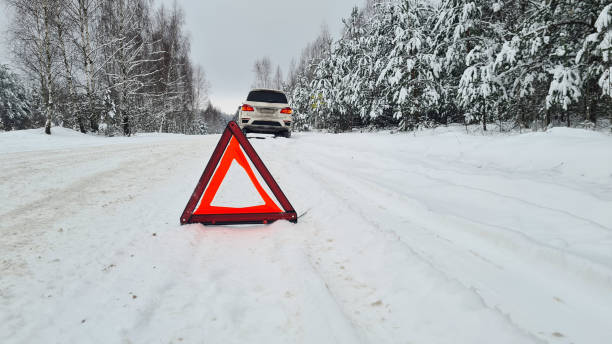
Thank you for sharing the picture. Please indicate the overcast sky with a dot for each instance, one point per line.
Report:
(228, 35)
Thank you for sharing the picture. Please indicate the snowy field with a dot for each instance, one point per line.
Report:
(438, 237)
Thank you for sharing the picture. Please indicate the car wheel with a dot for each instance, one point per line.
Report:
(286, 134)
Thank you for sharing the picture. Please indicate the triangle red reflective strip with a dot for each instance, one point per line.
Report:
(233, 152)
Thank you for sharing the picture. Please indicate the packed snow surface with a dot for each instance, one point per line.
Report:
(434, 237)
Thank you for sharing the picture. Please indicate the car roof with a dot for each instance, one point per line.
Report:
(268, 90)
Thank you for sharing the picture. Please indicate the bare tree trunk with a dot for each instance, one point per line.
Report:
(127, 131)
(88, 65)
(521, 117)
(48, 61)
(123, 91)
(484, 115)
(484, 121)
(67, 66)
(587, 109)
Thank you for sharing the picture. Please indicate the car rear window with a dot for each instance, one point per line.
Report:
(267, 96)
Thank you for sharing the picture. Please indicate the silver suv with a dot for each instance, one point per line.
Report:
(266, 111)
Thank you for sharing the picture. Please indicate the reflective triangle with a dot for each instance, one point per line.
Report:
(199, 209)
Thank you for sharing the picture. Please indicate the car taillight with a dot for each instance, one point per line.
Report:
(247, 107)
(287, 111)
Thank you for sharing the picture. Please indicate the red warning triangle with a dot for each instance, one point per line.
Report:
(199, 209)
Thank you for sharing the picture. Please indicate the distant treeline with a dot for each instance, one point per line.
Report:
(412, 63)
(110, 66)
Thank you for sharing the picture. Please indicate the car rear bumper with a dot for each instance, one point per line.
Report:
(266, 126)
(264, 129)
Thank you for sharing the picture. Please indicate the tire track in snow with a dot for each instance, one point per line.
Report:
(429, 168)
(132, 166)
(59, 169)
(520, 238)
(369, 186)
(449, 278)
(18, 164)
(514, 198)
(33, 229)
(378, 330)
(251, 283)
(600, 232)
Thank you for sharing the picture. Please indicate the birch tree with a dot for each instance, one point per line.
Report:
(126, 70)
(34, 36)
(65, 40)
(82, 14)
(278, 79)
(262, 68)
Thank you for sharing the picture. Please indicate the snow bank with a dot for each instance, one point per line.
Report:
(64, 138)
(577, 154)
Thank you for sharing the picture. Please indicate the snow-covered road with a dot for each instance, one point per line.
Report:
(439, 237)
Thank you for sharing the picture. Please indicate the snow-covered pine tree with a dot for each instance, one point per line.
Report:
(15, 102)
(338, 79)
(301, 95)
(595, 57)
(300, 98)
(371, 31)
(451, 47)
(324, 104)
(475, 33)
(411, 76)
(554, 55)
(518, 70)
(352, 72)
(603, 49)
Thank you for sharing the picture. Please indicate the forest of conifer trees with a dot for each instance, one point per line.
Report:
(417, 63)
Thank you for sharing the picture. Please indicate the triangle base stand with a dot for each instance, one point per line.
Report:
(242, 219)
